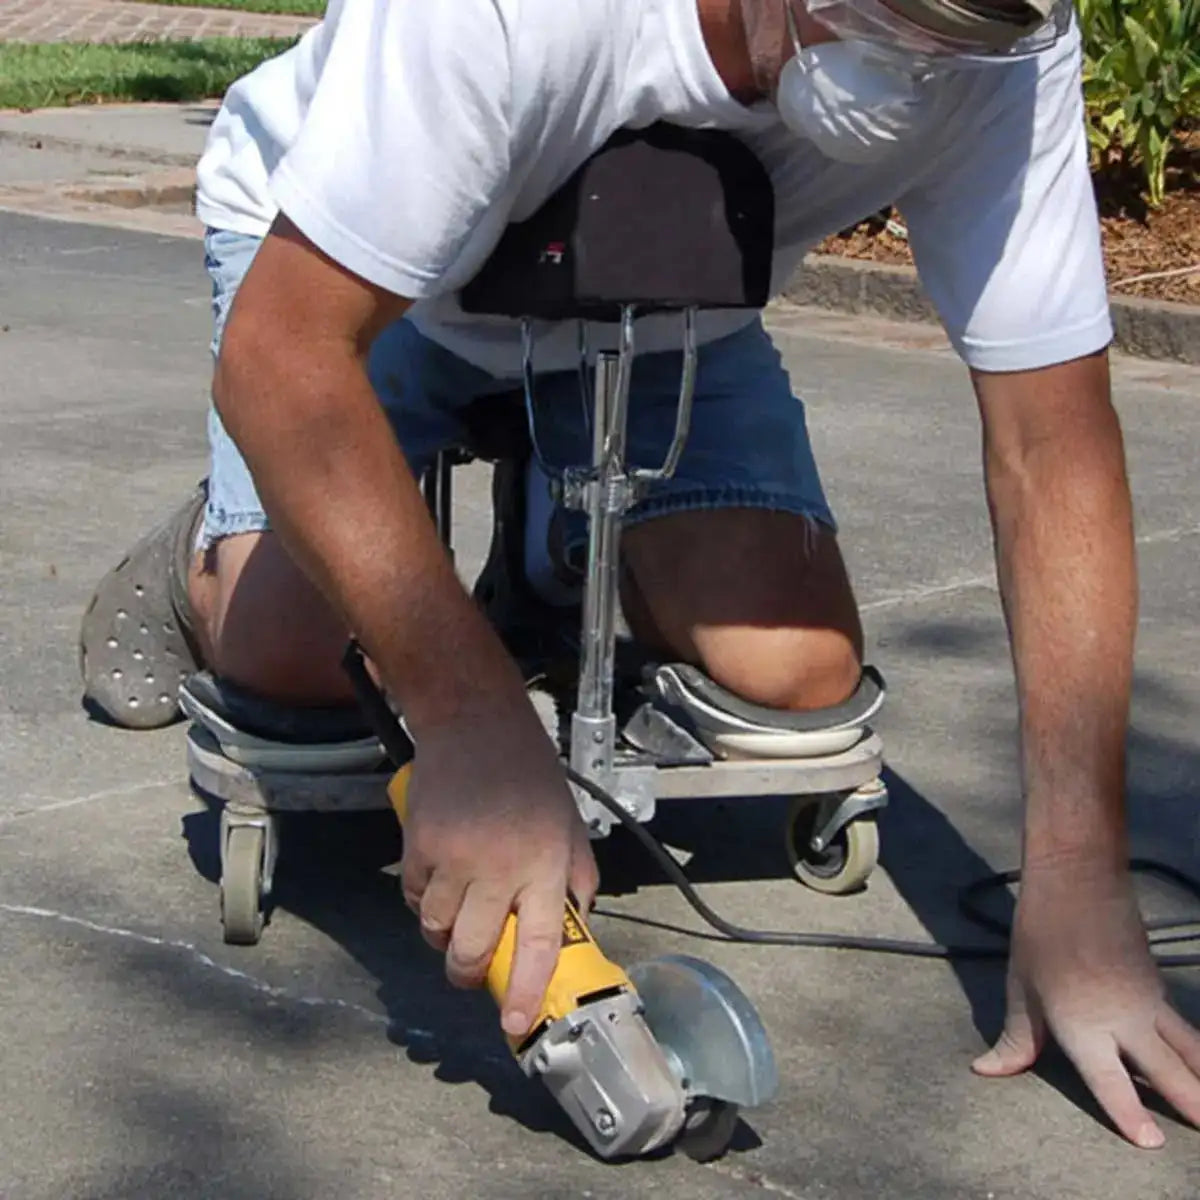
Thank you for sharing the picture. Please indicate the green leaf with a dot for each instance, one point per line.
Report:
(1145, 48)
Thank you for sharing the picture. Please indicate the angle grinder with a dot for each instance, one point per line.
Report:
(664, 1054)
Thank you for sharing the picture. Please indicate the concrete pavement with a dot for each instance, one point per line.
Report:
(143, 1058)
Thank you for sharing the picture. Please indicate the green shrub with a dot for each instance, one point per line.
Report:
(1141, 80)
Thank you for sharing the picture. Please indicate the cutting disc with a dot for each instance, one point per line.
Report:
(704, 1021)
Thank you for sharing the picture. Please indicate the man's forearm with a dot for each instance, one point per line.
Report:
(1064, 541)
(341, 496)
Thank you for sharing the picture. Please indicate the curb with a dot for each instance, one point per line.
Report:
(157, 202)
(1157, 329)
(89, 128)
(53, 141)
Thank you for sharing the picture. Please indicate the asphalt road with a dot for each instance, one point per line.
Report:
(140, 1057)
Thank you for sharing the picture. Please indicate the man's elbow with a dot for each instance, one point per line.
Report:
(1060, 417)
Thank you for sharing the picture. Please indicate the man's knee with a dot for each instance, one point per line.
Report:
(789, 669)
(761, 600)
(264, 626)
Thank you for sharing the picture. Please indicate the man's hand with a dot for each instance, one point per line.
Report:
(493, 829)
(1081, 972)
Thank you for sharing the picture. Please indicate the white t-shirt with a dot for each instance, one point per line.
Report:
(402, 136)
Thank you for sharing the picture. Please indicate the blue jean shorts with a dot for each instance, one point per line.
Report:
(748, 446)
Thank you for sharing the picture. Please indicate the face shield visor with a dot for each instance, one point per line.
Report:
(943, 28)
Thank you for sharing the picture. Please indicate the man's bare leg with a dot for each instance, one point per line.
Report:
(760, 600)
(263, 625)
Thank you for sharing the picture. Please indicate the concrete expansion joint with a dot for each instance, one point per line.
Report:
(917, 595)
(753, 1179)
(259, 987)
(34, 807)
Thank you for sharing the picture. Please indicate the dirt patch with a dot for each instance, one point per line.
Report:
(1163, 243)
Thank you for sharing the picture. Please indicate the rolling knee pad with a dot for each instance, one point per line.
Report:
(735, 728)
(258, 734)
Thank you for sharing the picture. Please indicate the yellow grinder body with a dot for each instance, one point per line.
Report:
(582, 973)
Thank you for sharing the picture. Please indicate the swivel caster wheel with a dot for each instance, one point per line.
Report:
(244, 865)
(841, 867)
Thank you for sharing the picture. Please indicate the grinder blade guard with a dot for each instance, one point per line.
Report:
(717, 1044)
(670, 1061)
(707, 1023)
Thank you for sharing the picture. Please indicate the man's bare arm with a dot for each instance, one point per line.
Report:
(492, 828)
(1063, 522)
(1080, 968)
(291, 388)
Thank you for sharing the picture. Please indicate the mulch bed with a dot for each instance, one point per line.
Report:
(1138, 241)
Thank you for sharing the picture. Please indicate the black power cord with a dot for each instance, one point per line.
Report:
(396, 742)
(969, 903)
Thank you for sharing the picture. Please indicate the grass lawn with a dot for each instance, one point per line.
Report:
(61, 73)
(313, 8)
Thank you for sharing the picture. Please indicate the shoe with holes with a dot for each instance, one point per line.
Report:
(136, 644)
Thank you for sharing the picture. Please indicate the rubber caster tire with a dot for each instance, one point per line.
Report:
(845, 865)
(241, 886)
(708, 1130)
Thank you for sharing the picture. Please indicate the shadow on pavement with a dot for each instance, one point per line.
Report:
(929, 862)
(333, 876)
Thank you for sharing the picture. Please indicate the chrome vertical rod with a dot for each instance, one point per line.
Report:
(605, 509)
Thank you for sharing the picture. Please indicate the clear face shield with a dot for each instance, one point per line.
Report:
(862, 96)
(940, 29)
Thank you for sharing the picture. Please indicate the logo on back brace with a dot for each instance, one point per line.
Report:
(554, 254)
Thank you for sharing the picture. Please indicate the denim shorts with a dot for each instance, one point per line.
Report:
(748, 446)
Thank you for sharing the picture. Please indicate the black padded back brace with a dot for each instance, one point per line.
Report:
(663, 219)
